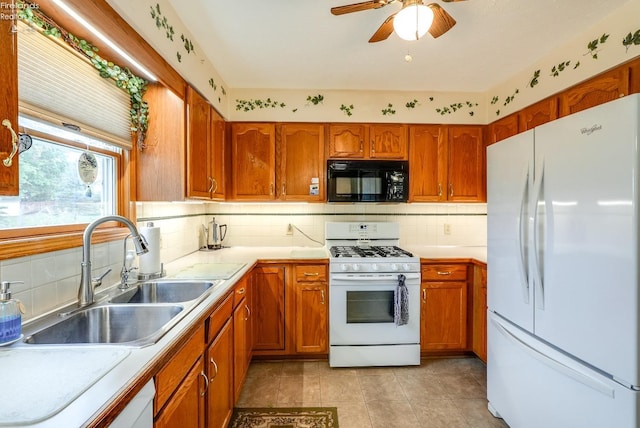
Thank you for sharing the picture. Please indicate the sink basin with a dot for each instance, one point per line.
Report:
(133, 325)
(165, 292)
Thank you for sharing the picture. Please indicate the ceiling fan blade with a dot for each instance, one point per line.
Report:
(357, 7)
(384, 31)
(442, 21)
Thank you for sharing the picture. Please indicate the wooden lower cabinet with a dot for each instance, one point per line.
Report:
(242, 334)
(186, 407)
(220, 397)
(269, 321)
(443, 315)
(181, 386)
(479, 345)
(312, 309)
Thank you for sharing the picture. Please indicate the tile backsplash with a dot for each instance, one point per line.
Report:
(51, 280)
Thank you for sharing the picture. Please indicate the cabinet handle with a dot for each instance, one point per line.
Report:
(424, 294)
(284, 189)
(439, 189)
(215, 366)
(240, 291)
(210, 189)
(322, 294)
(206, 383)
(373, 146)
(215, 185)
(14, 142)
(361, 145)
(271, 189)
(311, 274)
(248, 312)
(450, 190)
(444, 272)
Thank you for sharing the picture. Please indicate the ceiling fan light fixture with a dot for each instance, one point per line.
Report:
(413, 21)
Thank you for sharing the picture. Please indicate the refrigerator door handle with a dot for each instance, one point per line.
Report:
(583, 378)
(538, 250)
(522, 240)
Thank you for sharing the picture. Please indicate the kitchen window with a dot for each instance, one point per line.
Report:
(52, 192)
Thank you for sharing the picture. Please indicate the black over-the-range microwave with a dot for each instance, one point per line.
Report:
(367, 181)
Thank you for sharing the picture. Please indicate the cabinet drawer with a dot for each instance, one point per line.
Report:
(311, 273)
(219, 317)
(240, 291)
(171, 375)
(450, 272)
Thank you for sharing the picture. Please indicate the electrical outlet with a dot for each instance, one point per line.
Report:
(289, 229)
(447, 229)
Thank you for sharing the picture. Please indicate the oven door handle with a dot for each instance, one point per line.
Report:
(346, 277)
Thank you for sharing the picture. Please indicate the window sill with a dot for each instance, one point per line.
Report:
(28, 246)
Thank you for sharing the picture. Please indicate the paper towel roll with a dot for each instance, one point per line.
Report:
(150, 262)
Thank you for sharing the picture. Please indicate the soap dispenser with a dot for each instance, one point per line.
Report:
(10, 315)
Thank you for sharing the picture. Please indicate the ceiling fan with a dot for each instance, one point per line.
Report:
(442, 21)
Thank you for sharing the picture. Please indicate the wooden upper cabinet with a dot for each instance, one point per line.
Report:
(537, 114)
(253, 155)
(634, 76)
(466, 164)
(388, 142)
(301, 166)
(9, 184)
(503, 128)
(348, 141)
(160, 167)
(598, 90)
(427, 163)
(219, 156)
(199, 181)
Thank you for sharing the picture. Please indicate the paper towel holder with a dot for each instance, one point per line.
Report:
(155, 275)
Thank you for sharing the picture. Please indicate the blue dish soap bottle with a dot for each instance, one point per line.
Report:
(10, 315)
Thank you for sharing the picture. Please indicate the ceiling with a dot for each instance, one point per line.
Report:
(299, 44)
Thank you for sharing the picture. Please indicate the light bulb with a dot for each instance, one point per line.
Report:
(413, 21)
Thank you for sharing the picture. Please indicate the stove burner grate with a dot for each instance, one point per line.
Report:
(368, 251)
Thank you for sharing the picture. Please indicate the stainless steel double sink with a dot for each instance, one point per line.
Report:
(136, 317)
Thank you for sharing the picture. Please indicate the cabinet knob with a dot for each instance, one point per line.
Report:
(241, 290)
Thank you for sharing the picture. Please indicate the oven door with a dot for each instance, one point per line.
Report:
(361, 309)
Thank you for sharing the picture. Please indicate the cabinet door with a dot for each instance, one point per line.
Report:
(160, 167)
(539, 113)
(268, 288)
(241, 345)
(602, 88)
(253, 152)
(186, 407)
(8, 100)
(220, 373)
(300, 151)
(347, 141)
(443, 316)
(312, 316)
(503, 128)
(480, 312)
(218, 155)
(199, 181)
(466, 168)
(427, 163)
(388, 142)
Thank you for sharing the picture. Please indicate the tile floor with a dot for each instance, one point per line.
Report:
(442, 392)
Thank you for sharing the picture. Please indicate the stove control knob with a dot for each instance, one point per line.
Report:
(356, 267)
(406, 266)
(344, 267)
(394, 266)
(374, 267)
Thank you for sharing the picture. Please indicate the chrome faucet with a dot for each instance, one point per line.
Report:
(86, 290)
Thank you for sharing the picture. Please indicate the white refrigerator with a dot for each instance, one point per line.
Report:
(563, 291)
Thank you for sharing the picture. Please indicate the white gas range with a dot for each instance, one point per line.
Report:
(374, 296)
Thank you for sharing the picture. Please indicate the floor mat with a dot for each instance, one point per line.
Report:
(284, 417)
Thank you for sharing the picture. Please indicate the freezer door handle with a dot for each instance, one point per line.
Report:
(522, 239)
(538, 250)
(583, 378)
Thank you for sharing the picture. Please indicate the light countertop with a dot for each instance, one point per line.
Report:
(128, 368)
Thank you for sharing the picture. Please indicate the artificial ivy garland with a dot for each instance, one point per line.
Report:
(135, 86)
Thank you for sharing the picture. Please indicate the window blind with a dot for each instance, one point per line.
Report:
(57, 85)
